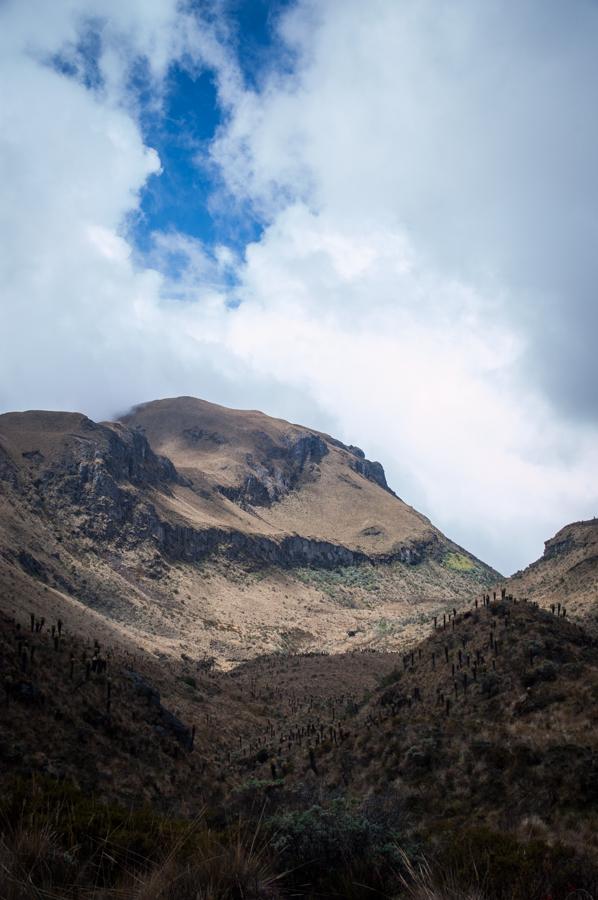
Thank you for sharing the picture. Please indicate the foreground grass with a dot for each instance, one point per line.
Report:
(57, 842)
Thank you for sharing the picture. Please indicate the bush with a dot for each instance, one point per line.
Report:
(420, 757)
(391, 678)
(343, 851)
(490, 684)
(547, 671)
(320, 836)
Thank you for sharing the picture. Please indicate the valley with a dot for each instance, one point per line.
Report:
(199, 618)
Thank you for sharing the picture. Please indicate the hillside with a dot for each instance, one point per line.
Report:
(476, 747)
(194, 529)
(489, 720)
(82, 705)
(481, 745)
(567, 573)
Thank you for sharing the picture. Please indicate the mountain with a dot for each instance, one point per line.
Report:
(283, 480)
(191, 528)
(566, 573)
(233, 659)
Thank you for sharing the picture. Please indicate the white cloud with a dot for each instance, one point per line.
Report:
(422, 371)
(82, 326)
(402, 173)
(426, 169)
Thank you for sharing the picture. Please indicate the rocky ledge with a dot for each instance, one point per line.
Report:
(182, 543)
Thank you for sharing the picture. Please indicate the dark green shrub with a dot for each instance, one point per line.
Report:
(390, 678)
(490, 684)
(327, 842)
(546, 671)
(420, 757)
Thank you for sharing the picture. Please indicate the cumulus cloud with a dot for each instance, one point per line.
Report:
(425, 176)
(423, 369)
(445, 153)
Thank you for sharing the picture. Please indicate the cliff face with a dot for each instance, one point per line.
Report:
(579, 539)
(126, 516)
(278, 470)
(94, 477)
(187, 544)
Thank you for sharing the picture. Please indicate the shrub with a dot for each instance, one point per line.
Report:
(420, 757)
(546, 671)
(339, 848)
(490, 684)
(390, 678)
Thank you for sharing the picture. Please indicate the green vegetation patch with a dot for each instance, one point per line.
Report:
(385, 627)
(336, 582)
(458, 562)
(343, 847)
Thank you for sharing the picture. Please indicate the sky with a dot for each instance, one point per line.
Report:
(376, 219)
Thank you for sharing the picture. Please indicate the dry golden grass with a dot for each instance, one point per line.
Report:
(36, 863)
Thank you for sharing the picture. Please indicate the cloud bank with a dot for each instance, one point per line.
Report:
(423, 284)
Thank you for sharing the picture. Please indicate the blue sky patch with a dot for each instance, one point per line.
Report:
(180, 197)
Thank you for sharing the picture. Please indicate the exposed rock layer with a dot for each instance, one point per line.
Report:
(566, 573)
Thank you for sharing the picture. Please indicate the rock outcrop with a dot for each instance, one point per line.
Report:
(566, 573)
(279, 470)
